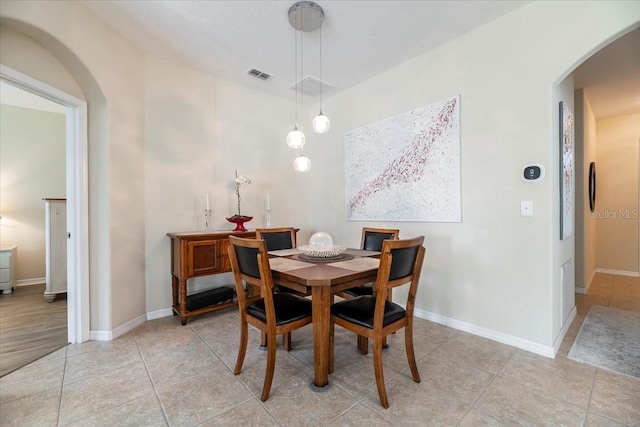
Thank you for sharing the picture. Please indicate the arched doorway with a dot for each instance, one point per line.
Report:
(77, 199)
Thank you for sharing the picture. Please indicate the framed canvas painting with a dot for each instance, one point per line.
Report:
(406, 167)
(567, 195)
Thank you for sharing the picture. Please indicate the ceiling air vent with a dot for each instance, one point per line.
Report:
(259, 74)
(310, 86)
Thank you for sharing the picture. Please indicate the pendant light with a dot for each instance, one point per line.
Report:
(321, 122)
(302, 163)
(305, 16)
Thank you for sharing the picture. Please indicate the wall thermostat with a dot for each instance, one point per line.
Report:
(533, 172)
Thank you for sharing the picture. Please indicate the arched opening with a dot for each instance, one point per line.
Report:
(77, 199)
(84, 118)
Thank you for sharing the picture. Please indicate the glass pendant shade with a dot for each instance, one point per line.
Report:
(321, 123)
(302, 164)
(295, 138)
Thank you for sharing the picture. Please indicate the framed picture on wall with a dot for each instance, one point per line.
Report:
(567, 178)
(406, 167)
(592, 186)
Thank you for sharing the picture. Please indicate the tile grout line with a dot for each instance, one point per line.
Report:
(253, 396)
(153, 385)
(593, 382)
(495, 375)
(64, 372)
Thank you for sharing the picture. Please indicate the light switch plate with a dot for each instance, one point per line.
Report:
(526, 208)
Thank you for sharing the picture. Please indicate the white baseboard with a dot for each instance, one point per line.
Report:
(29, 282)
(523, 344)
(564, 330)
(120, 330)
(100, 335)
(583, 291)
(618, 272)
(157, 314)
(533, 347)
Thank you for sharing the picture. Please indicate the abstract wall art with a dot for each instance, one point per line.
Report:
(567, 196)
(406, 167)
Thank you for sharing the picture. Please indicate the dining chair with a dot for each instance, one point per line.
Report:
(274, 313)
(374, 316)
(277, 239)
(371, 240)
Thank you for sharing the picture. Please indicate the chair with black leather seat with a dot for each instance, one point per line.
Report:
(277, 239)
(371, 240)
(274, 313)
(374, 316)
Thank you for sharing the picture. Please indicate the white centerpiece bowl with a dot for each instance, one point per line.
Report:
(321, 246)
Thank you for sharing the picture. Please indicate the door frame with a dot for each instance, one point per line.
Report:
(78, 321)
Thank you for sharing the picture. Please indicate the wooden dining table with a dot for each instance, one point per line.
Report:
(322, 279)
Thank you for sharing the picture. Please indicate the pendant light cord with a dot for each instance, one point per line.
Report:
(295, 82)
(321, 83)
(301, 64)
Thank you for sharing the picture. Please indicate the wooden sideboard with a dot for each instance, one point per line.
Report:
(195, 254)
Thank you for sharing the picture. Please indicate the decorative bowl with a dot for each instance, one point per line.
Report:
(239, 221)
(322, 253)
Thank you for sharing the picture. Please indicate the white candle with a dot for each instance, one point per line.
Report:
(208, 207)
(268, 204)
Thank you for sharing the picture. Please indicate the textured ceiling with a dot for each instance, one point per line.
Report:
(359, 38)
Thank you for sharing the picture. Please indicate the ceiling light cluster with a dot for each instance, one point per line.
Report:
(305, 16)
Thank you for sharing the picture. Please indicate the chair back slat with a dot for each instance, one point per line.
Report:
(372, 238)
(404, 260)
(248, 261)
(277, 238)
(247, 256)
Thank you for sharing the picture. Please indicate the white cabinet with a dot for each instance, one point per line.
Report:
(56, 247)
(8, 262)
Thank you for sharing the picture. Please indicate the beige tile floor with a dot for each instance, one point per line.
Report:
(165, 374)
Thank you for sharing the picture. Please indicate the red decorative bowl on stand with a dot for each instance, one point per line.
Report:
(239, 221)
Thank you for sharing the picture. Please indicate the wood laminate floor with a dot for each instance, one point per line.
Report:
(30, 327)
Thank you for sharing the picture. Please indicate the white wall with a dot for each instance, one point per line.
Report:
(199, 130)
(32, 167)
(585, 221)
(109, 71)
(496, 272)
(21, 53)
(617, 197)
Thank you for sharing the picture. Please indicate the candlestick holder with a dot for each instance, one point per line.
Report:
(268, 218)
(207, 218)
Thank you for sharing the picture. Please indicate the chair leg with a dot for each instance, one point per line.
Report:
(263, 340)
(271, 366)
(332, 339)
(377, 367)
(411, 356)
(363, 344)
(286, 341)
(242, 350)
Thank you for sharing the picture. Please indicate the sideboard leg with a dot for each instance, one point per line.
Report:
(183, 302)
